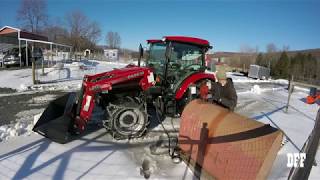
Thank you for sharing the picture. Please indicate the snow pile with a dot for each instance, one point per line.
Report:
(36, 118)
(256, 89)
(42, 99)
(25, 122)
(20, 128)
(23, 87)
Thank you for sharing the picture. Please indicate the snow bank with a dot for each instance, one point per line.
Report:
(240, 78)
(248, 80)
(25, 122)
(256, 89)
(12, 130)
(301, 89)
(42, 99)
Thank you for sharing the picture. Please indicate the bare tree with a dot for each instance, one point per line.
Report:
(248, 56)
(271, 56)
(32, 14)
(113, 39)
(56, 33)
(244, 48)
(94, 32)
(83, 32)
(286, 48)
(271, 48)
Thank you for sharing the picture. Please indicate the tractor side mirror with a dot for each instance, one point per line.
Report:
(140, 54)
(140, 51)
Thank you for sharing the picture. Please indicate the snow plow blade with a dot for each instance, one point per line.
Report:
(221, 144)
(57, 120)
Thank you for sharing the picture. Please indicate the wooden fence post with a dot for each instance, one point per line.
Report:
(290, 91)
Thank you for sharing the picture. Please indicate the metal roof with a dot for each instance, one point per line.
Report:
(12, 35)
(11, 31)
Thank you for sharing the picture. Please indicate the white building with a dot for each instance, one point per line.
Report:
(111, 54)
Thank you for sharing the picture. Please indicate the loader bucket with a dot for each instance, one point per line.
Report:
(57, 120)
(221, 144)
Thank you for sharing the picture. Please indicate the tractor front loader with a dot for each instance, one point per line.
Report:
(173, 73)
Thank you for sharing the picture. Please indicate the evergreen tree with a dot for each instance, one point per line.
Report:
(310, 66)
(297, 65)
(259, 59)
(282, 66)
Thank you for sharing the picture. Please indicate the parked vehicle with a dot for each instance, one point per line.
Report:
(258, 72)
(12, 57)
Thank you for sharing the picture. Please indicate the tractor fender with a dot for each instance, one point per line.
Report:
(190, 80)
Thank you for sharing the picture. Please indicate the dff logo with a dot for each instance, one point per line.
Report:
(296, 159)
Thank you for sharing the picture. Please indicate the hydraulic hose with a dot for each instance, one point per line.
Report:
(175, 155)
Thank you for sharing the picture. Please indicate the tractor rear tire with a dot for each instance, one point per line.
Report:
(129, 120)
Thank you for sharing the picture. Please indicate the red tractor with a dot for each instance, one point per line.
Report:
(172, 76)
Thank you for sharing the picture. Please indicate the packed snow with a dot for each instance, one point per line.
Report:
(96, 155)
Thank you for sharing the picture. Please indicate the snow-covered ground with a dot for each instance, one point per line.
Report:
(59, 77)
(97, 156)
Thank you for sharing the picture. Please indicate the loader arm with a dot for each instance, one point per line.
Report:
(104, 83)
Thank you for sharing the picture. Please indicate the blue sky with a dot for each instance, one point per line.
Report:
(228, 24)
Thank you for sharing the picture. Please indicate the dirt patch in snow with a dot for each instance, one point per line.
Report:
(21, 106)
(7, 90)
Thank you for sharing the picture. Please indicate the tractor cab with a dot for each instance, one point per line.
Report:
(175, 58)
(178, 63)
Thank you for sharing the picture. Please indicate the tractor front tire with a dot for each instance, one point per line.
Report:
(129, 120)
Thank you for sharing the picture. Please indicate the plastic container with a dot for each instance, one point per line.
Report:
(313, 91)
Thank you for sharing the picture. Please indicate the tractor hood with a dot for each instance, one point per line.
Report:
(121, 75)
(128, 71)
